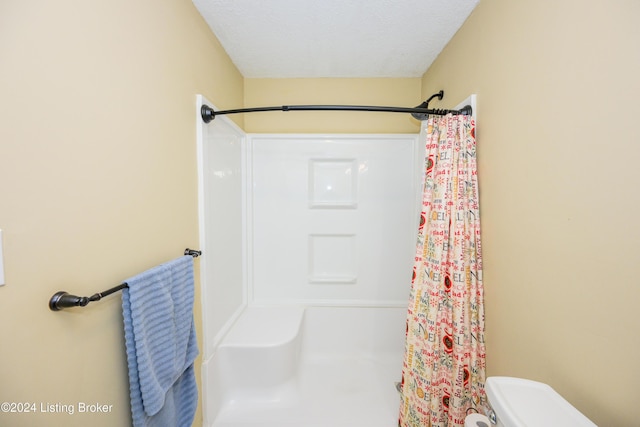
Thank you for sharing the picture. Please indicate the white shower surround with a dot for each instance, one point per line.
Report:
(332, 218)
(306, 270)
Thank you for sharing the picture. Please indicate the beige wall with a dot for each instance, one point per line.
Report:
(395, 92)
(98, 182)
(557, 85)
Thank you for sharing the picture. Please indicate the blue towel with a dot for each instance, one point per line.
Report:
(161, 344)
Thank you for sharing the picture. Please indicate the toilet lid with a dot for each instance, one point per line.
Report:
(524, 403)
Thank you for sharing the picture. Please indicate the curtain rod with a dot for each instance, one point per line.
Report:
(421, 112)
(63, 299)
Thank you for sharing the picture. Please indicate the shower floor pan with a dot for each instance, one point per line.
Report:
(308, 367)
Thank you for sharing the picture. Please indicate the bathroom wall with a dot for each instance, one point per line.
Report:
(396, 92)
(98, 181)
(557, 85)
(94, 194)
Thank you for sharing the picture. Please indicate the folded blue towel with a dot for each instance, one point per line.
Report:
(161, 344)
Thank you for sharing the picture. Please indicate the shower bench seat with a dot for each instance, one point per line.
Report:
(316, 366)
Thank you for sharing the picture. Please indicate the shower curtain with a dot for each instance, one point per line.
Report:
(443, 370)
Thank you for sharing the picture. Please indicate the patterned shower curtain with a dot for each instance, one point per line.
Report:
(444, 363)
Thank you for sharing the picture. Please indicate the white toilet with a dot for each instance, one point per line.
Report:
(517, 402)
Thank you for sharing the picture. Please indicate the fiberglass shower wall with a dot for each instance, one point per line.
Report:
(332, 219)
(222, 216)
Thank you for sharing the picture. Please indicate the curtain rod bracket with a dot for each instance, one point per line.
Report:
(466, 110)
(425, 105)
(207, 113)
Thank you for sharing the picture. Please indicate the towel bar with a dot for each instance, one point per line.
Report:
(63, 299)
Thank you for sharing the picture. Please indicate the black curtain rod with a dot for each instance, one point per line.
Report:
(421, 112)
(63, 299)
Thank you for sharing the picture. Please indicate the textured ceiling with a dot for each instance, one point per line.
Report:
(334, 38)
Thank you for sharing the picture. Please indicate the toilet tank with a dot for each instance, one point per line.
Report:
(524, 403)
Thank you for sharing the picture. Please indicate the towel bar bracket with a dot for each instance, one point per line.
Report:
(63, 299)
(194, 253)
